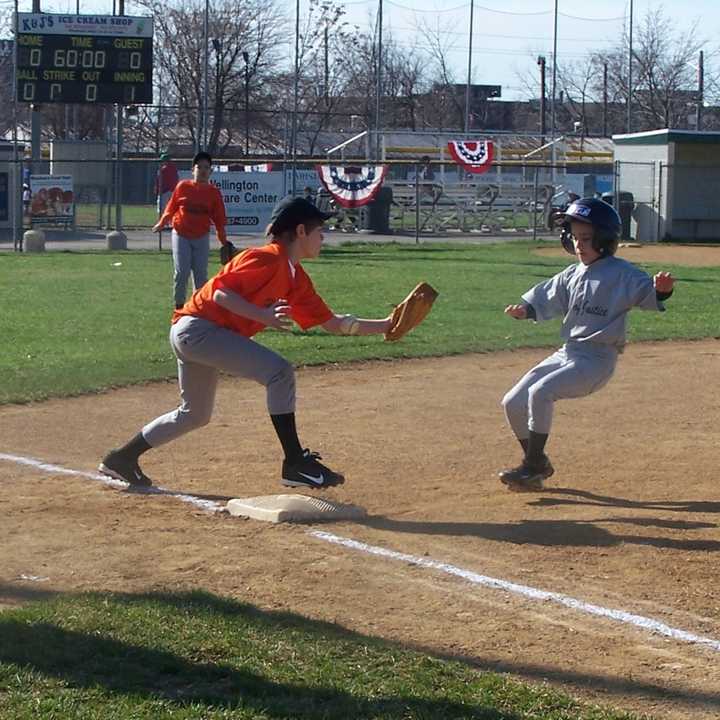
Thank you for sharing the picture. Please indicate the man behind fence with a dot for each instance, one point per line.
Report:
(165, 182)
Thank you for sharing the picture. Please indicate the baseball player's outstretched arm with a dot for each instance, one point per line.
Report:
(350, 325)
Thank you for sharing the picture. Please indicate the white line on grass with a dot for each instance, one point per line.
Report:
(654, 626)
(208, 505)
(621, 616)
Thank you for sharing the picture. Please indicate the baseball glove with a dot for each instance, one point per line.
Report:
(411, 311)
(227, 252)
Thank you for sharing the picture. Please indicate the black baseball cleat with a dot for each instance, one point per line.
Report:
(308, 472)
(119, 466)
(526, 478)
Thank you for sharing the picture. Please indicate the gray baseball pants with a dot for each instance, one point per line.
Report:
(189, 255)
(203, 350)
(575, 370)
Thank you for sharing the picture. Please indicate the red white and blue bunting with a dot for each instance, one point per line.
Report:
(262, 167)
(352, 186)
(473, 155)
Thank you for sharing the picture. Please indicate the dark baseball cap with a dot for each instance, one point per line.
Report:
(293, 211)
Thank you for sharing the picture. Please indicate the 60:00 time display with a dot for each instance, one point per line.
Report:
(86, 59)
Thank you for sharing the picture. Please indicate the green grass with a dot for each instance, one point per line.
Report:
(196, 656)
(73, 322)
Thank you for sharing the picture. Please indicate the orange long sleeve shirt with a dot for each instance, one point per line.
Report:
(192, 207)
(261, 275)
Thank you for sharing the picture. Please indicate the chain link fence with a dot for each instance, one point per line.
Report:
(440, 196)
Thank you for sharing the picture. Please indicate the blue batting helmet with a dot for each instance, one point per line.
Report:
(604, 219)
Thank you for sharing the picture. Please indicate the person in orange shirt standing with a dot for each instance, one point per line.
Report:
(193, 205)
(258, 288)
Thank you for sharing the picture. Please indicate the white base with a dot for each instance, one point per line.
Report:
(293, 508)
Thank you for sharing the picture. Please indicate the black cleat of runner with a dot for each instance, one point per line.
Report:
(117, 465)
(525, 478)
(309, 472)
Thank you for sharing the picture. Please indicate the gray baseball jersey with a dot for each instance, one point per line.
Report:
(594, 300)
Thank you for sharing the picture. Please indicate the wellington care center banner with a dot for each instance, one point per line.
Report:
(249, 198)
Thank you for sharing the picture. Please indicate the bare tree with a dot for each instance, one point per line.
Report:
(248, 30)
(664, 73)
(326, 40)
(581, 95)
(446, 106)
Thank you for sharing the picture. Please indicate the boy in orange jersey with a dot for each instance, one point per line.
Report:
(260, 287)
(193, 205)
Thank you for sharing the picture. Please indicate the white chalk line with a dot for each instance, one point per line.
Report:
(622, 616)
(207, 505)
(654, 626)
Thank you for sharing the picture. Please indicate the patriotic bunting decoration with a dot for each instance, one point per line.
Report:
(262, 167)
(473, 155)
(352, 186)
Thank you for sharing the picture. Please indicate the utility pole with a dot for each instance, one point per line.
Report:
(605, 99)
(293, 141)
(630, 55)
(701, 90)
(378, 89)
(246, 58)
(206, 23)
(469, 71)
(543, 93)
(118, 149)
(327, 65)
(35, 117)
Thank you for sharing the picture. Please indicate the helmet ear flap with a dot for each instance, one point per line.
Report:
(605, 243)
(566, 239)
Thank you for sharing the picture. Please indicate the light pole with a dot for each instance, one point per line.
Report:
(206, 20)
(246, 58)
(469, 72)
(543, 92)
(701, 90)
(554, 85)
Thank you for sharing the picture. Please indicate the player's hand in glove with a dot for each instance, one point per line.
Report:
(227, 252)
(411, 311)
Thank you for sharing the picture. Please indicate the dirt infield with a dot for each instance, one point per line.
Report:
(691, 255)
(630, 521)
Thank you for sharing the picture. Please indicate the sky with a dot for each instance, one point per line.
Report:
(508, 35)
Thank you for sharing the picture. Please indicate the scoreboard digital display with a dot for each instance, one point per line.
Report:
(84, 59)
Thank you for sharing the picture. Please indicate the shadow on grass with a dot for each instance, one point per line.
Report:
(93, 659)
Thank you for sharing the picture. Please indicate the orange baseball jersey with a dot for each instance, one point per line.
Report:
(261, 276)
(191, 208)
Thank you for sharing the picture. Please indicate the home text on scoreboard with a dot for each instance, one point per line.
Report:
(84, 59)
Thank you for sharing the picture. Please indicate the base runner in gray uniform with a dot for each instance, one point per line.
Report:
(593, 297)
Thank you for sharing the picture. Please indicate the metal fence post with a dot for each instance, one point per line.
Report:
(417, 204)
(535, 201)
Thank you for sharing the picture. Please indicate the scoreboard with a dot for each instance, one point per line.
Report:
(84, 59)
